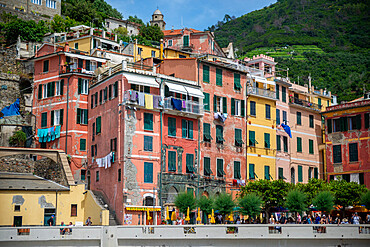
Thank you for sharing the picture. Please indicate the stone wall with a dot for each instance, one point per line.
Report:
(43, 167)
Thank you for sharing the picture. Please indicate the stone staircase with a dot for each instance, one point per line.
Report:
(100, 198)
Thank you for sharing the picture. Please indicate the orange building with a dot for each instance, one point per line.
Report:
(61, 83)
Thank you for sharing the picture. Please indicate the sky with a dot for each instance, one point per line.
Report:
(197, 14)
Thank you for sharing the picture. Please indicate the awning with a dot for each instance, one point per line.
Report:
(85, 57)
(176, 88)
(263, 80)
(141, 80)
(195, 92)
(143, 208)
(109, 42)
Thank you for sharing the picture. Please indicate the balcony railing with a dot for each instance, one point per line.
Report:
(262, 92)
(187, 106)
(132, 97)
(304, 103)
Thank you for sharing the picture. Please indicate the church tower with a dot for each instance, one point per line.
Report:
(157, 20)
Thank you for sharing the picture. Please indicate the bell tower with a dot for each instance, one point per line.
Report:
(157, 20)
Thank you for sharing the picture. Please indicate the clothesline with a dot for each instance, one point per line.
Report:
(105, 161)
(48, 134)
(145, 100)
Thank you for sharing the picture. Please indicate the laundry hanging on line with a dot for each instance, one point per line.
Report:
(105, 161)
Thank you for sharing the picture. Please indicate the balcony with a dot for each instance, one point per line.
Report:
(261, 92)
(187, 106)
(304, 103)
(131, 97)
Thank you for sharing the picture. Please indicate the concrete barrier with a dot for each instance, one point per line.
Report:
(188, 235)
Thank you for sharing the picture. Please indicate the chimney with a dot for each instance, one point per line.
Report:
(66, 47)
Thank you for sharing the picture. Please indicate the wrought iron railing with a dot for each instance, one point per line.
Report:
(304, 103)
(261, 92)
(186, 106)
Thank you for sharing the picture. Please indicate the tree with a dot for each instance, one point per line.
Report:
(324, 201)
(295, 201)
(312, 188)
(151, 32)
(205, 204)
(18, 139)
(185, 200)
(224, 204)
(135, 19)
(365, 199)
(58, 24)
(272, 192)
(346, 193)
(250, 204)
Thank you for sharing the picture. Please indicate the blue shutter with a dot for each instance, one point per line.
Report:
(190, 129)
(267, 172)
(251, 171)
(148, 172)
(184, 128)
(277, 116)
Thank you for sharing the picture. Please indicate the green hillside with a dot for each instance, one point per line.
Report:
(326, 38)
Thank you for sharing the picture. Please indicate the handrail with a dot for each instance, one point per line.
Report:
(261, 92)
(304, 103)
(187, 106)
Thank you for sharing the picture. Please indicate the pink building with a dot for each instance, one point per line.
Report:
(262, 62)
(61, 82)
(134, 112)
(191, 40)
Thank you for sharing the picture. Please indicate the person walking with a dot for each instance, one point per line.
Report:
(88, 221)
(356, 219)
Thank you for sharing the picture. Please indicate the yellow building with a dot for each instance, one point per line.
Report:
(261, 129)
(30, 200)
(145, 51)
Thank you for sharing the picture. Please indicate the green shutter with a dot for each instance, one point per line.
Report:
(237, 85)
(252, 138)
(214, 103)
(219, 134)
(48, 86)
(224, 105)
(251, 171)
(367, 122)
(207, 166)
(300, 176)
(319, 102)
(220, 168)
(98, 125)
(52, 118)
(79, 85)
(329, 121)
(277, 92)
(78, 115)
(61, 116)
(82, 144)
(186, 40)
(299, 144)
(61, 86)
(343, 124)
(309, 173)
(189, 163)
(299, 118)
(44, 120)
(316, 173)
(171, 126)
(148, 172)
(40, 91)
(253, 108)
(52, 88)
(243, 108)
(277, 116)
(358, 122)
(85, 116)
(148, 121)
(267, 140)
(232, 106)
(310, 144)
(238, 137)
(237, 174)
(190, 129)
(311, 121)
(285, 142)
(206, 102)
(219, 77)
(278, 143)
(205, 73)
(172, 161)
(207, 132)
(267, 172)
(281, 173)
(184, 128)
(283, 94)
(116, 89)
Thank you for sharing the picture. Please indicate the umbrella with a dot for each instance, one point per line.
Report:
(173, 215)
(167, 214)
(198, 218)
(187, 215)
(213, 217)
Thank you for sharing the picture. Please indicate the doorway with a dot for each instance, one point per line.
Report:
(48, 212)
(17, 221)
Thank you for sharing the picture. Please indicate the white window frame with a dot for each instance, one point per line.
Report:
(57, 117)
(74, 65)
(84, 86)
(51, 4)
(93, 65)
(238, 107)
(170, 42)
(57, 88)
(45, 91)
(82, 116)
(38, 2)
(219, 104)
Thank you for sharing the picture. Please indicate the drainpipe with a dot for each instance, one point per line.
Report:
(198, 156)
(161, 160)
(67, 113)
(56, 206)
(246, 131)
(324, 150)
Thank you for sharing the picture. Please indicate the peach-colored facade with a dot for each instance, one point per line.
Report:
(60, 100)
(191, 40)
